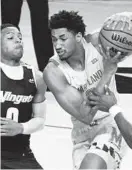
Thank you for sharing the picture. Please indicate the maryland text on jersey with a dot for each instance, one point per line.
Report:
(16, 99)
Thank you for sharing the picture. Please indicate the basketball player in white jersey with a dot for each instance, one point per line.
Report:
(22, 99)
(72, 73)
(108, 102)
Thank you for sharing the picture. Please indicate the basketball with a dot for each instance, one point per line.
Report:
(116, 39)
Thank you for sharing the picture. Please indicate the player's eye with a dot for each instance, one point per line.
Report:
(20, 37)
(10, 38)
(63, 39)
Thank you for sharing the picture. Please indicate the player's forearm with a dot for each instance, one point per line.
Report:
(86, 112)
(77, 107)
(37, 122)
(125, 128)
(33, 125)
(105, 80)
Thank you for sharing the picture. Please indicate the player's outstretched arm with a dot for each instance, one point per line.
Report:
(69, 98)
(125, 127)
(107, 102)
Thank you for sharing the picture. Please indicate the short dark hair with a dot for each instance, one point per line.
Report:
(70, 20)
(6, 25)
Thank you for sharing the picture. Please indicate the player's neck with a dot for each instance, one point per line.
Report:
(77, 60)
(10, 62)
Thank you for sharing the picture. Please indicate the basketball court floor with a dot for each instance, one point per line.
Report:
(52, 146)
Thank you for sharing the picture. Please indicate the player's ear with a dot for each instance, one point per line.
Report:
(78, 36)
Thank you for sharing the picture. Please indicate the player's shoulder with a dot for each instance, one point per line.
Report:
(53, 71)
(37, 74)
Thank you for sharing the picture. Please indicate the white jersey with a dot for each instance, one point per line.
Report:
(85, 80)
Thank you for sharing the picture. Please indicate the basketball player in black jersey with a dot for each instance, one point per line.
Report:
(22, 98)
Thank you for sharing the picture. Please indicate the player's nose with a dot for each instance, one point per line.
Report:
(18, 40)
(58, 44)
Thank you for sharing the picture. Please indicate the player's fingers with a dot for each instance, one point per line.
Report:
(95, 92)
(130, 25)
(3, 130)
(94, 109)
(108, 52)
(2, 118)
(117, 57)
(101, 51)
(108, 23)
(93, 103)
(107, 90)
(114, 25)
(94, 98)
(5, 126)
(100, 48)
(123, 26)
(110, 20)
(3, 122)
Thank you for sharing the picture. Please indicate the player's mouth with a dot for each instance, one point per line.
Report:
(60, 52)
(19, 46)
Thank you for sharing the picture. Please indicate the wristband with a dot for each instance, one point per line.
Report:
(25, 128)
(114, 110)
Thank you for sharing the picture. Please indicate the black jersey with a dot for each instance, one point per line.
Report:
(16, 97)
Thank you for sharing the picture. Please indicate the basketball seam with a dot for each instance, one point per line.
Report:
(118, 31)
(113, 43)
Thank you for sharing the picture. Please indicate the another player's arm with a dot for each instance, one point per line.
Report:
(125, 128)
(39, 107)
(109, 104)
(69, 98)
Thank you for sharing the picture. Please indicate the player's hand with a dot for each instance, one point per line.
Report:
(9, 127)
(125, 17)
(103, 101)
(110, 62)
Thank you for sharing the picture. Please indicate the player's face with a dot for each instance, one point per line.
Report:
(11, 44)
(64, 42)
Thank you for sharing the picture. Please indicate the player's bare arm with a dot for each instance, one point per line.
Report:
(125, 127)
(69, 98)
(77, 106)
(108, 103)
(39, 107)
